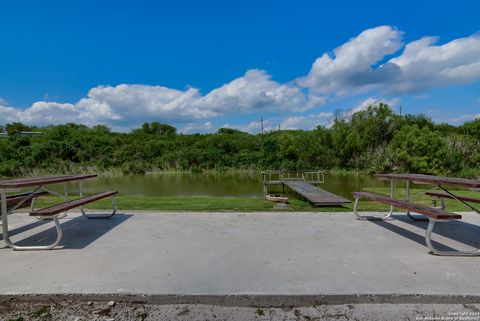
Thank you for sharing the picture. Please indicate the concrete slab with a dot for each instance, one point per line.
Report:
(259, 254)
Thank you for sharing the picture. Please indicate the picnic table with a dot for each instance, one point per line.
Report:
(439, 188)
(38, 186)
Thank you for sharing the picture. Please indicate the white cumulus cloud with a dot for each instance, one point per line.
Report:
(424, 65)
(206, 127)
(350, 66)
(393, 103)
(356, 66)
(255, 91)
(132, 104)
(140, 102)
(9, 114)
(375, 62)
(307, 122)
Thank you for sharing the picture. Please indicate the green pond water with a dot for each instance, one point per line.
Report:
(223, 185)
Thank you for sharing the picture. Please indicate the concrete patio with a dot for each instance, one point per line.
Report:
(269, 256)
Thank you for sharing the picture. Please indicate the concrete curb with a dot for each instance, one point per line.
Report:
(252, 300)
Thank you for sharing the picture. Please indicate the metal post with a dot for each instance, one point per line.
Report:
(65, 199)
(65, 192)
(392, 196)
(355, 206)
(392, 189)
(4, 214)
(407, 191)
(407, 198)
(80, 192)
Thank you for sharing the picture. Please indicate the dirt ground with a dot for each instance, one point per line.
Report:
(13, 310)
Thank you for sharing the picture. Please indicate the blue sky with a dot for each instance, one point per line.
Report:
(202, 65)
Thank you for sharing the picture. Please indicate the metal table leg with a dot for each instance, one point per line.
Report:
(64, 195)
(392, 196)
(3, 213)
(407, 198)
(428, 236)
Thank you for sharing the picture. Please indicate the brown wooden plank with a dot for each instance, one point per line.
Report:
(430, 179)
(315, 194)
(28, 179)
(29, 182)
(13, 200)
(462, 198)
(62, 207)
(417, 208)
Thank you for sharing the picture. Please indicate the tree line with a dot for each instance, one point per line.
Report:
(373, 140)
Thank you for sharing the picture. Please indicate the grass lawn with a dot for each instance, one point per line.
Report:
(228, 204)
(194, 203)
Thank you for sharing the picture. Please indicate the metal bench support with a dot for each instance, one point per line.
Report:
(97, 215)
(9, 242)
(428, 240)
(100, 215)
(371, 218)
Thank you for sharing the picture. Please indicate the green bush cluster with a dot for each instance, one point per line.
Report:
(372, 140)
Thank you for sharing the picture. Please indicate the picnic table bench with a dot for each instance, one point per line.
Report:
(24, 198)
(459, 198)
(432, 214)
(9, 203)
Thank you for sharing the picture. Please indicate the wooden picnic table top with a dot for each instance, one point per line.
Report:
(38, 181)
(431, 179)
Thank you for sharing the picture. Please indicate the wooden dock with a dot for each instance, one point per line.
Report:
(302, 182)
(316, 195)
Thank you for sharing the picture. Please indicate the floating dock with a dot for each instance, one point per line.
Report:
(303, 184)
(315, 194)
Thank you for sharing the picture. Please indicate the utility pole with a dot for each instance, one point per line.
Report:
(278, 127)
(400, 110)
(261, 120)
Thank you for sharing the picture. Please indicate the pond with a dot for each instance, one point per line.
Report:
(223, 185)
